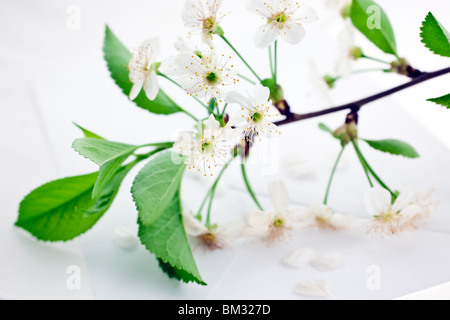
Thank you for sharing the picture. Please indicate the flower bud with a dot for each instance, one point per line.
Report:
(356, 53)
(346, 11)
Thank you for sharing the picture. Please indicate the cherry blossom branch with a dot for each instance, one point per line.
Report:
(357, 105)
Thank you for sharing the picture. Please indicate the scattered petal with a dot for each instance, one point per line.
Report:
(328, 262)
(125, 239)
(313, 288)
(300, 258)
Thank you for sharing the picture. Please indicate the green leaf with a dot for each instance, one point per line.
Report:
(371, 20)
(64, 209)
(443, 101)
(174, 273)
(395, 147)
(117, 58)
(87, 133)
(108, 155)
(166, 238)
(435, 36)
(327, 129)
(155, 186)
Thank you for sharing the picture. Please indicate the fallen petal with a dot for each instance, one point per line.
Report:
(313, 288)
(125, 239)
(328, 262)
(300, 258)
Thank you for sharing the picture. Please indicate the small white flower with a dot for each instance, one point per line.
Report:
(337, 6)
(255, 113)
(203, 16)
(143, 68)
(348, 52)
(323, 217)
(283, 18)
(409, 210)
(215, 238)
(313, 288)
(274, 226)
(319, 86)
(206, 149)
(206, 76)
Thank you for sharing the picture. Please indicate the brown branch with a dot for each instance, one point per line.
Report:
(355, 106)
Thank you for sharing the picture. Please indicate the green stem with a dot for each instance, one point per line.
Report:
(211, 193)
(246, 79)
(224, 109)
(369, 70)
(249, 188)
(375, 59)
(333, 172)
(240, 57)
(179, 86)
(275, 72)
(271, 60)
(363, 163)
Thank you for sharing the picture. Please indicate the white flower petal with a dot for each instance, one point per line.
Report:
(406, 198)
(261, 95)
(297, 167)
(313, 288)
(342, 221)
(259, 222)
(300, 258)
(279, 196)
(259, 7)
(184, 143)
(125, 239)
(136, 89)
(151, 85)
(305, 14)
(193, 227)
(154, 49)
(234, 97)
(328, 262)
(266, 35)
(232, 230)
(293, 33)
(377, 201)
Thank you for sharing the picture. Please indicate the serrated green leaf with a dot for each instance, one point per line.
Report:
(166, 238)
(435, 36)
(64, 209)
(87, 133)
(364, 14)
(394, 147)
(117, 58)
(174, 273)
(155, 186)
(443, 101)
(108, 155)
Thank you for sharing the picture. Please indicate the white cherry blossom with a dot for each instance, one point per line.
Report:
(143, 69)
(207, 148)
(208, 76)
(323, 217)
(255, 113)
(282, 18)
(409, 210)
(275, 225)
(203, 16)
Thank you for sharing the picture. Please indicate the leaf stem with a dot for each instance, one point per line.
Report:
(275, 71)
(246, 79)
(375, 59)
(240, 57)
(271, 60)
(363, 163)
(249, 188)
(333, 172)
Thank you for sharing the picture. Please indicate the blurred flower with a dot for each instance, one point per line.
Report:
(409, 210)
(298, 167)
(323, 217)
(143, 69)
(283, 18)
(320, 86)
(214, 238)
(254, 113)
(206, 76)
(274, 226)
(203, 16)
(206, 149)
(348, 52)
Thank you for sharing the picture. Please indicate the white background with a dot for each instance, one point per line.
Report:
(37, 49)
